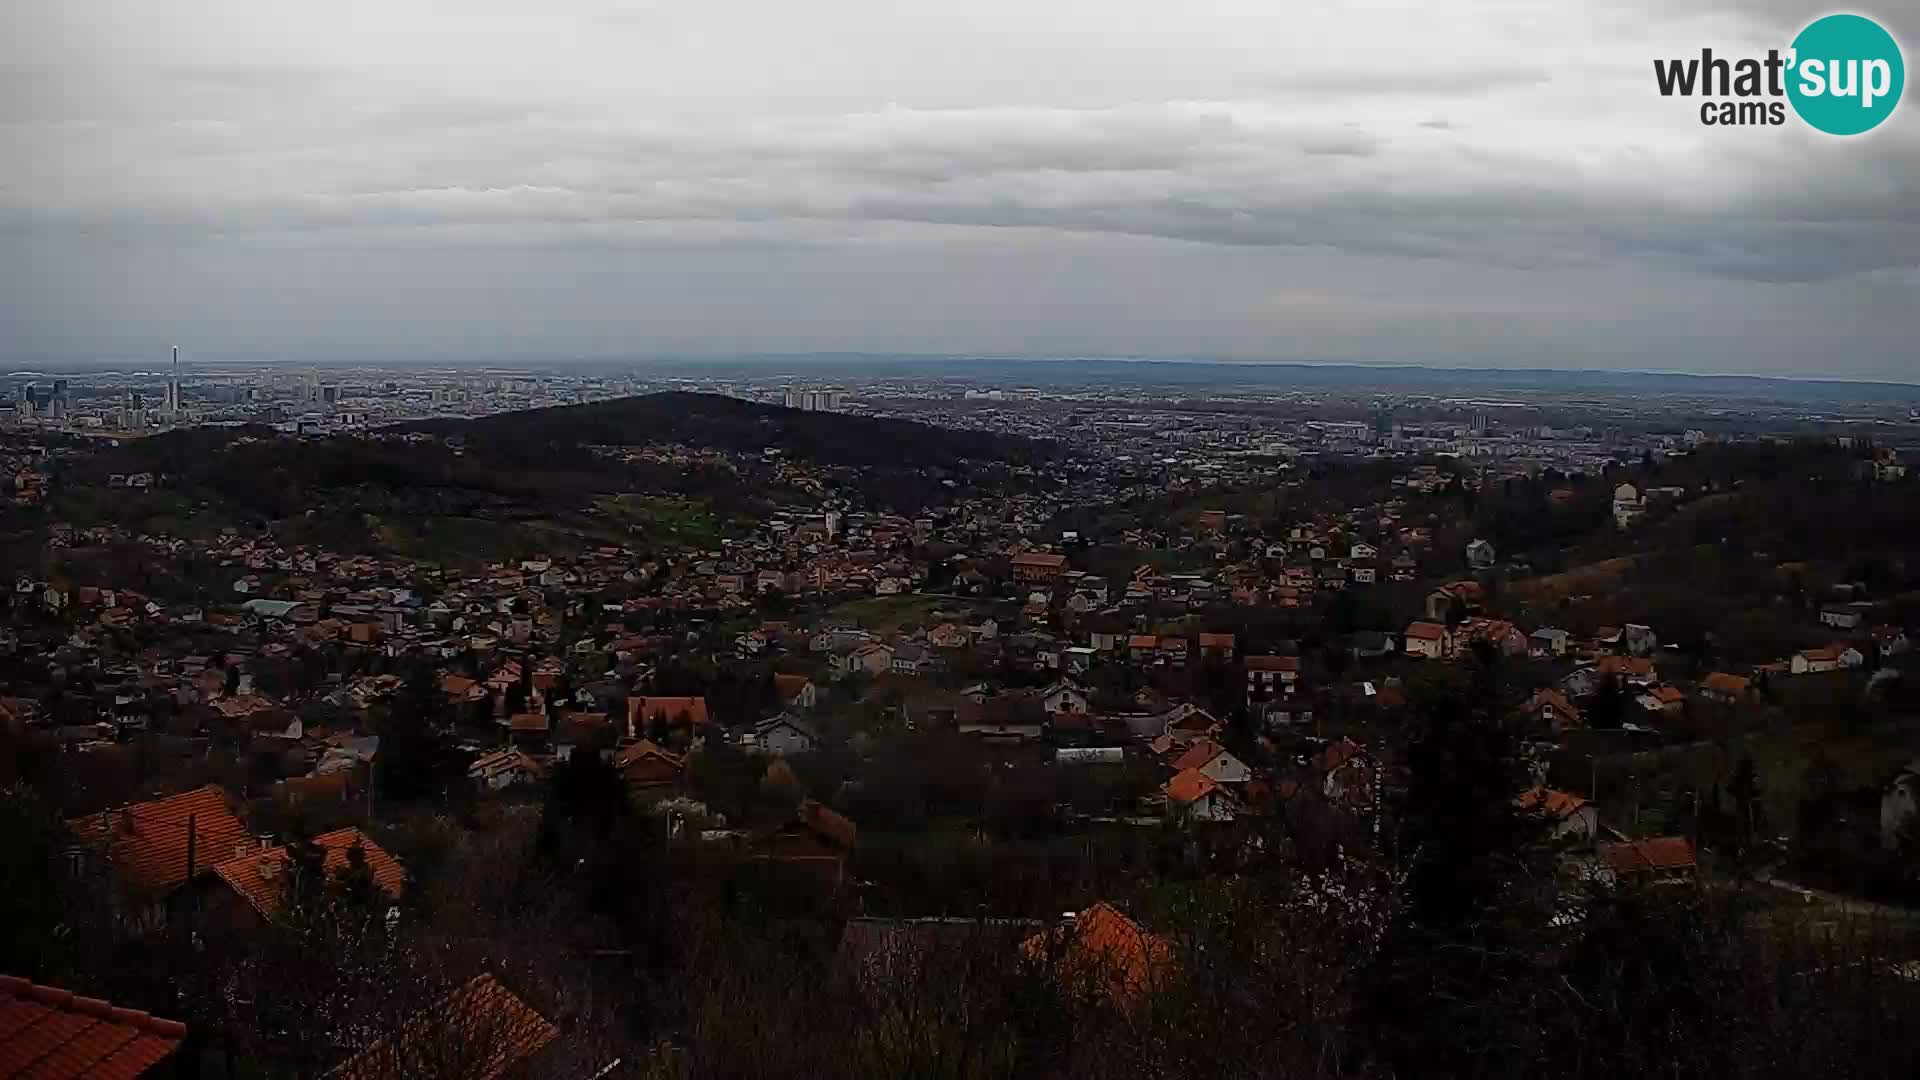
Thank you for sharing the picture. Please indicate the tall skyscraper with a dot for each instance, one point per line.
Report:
(173, 386)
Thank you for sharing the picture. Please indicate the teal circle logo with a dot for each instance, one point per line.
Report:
(1846, 74)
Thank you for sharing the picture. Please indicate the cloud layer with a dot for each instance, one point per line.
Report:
(1428, 145)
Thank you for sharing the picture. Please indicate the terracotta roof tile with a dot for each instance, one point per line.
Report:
(481, 1030)
(1190, 785)
(52, 1034)
(1649, 856)
(148, 841)
(1103, 945)
(260, 877)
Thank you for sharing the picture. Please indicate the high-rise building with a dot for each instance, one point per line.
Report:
(815, 400)
(173, 386)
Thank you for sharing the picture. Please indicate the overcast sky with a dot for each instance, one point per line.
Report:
(1458, 182)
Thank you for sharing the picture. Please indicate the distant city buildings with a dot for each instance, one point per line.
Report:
(815, 400)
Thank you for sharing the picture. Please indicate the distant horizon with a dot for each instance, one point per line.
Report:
(719, 363)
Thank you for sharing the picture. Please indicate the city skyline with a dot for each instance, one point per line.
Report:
(1453, 186)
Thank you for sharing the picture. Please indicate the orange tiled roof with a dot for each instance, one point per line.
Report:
(1426, 631)
(148, 841)
(481, 1031)
(1103, 944)
(260, 876)
(1556, 804)
(642, 709)
(1646, 856)
(1201, 752)
(1190, 785)
(1273, 663)
(52, 1034)
(1721, 682)
(1039, 560)
(788, 685)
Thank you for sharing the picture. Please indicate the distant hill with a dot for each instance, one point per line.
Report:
(725, 423)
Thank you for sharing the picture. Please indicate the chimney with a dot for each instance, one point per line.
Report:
(269, 867)
(242, 847)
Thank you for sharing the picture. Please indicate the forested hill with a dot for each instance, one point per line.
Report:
(725, 423)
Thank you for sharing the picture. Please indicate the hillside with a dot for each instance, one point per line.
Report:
(724, 423)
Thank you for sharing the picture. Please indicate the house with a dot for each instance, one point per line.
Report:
(910, 659)
(1216, 646)
(1038, 567)
(1631, 670)
(1628, 505)
(1480, 555)
(1553, 710)
(1546, 642)
(480, 1030)
(1173, 651)
(949, 636)
(156, 847)
(646, 712)
(1573, 818)
(1349, 775)
(1189, 723)
(1466, 596)
(1063, 697)
(647, 766)
(816, 839)
(1362, 550)
(1816, 661)
(1104, 951)
(1194, 796)
(1843, 617)
(785, 735)
(53, 1034)
(1662, 699)
(1659, 860)
(872, 658)
(503, 769)
(1724, 688)
(1271, 675)
(1499, 633)
(1427, 639)
(797, 692)
(254, 883)
(1214, 761)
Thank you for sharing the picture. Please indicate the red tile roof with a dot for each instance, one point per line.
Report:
(1273, 663)
(641, 710)
(1103, 945)
(1426, 631)
(1721, 682)
(1189, 786)
(1039, 560)
(1662, 853)
(260, 877)
(479, 1031)
(1201, 752)
(148, 841)
(1555, 804)
(828, 824)
(51, 1034)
